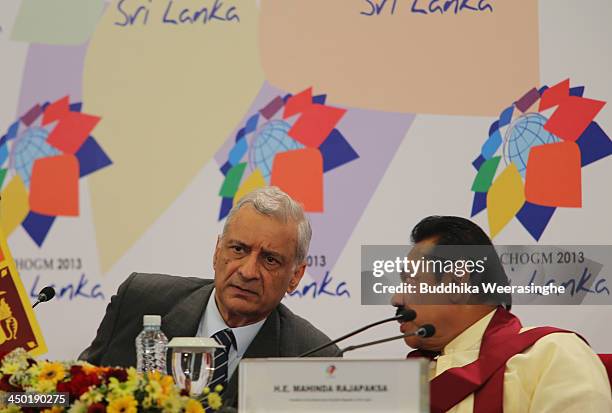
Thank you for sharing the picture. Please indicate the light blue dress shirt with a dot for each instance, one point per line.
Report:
(212, 322)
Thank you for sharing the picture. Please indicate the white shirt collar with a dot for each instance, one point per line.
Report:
(212, 323)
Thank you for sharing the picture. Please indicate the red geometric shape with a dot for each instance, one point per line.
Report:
(554, 95)
(71, 131)
(315, 124)
(54, 186)
(300, 174)
(554, 175)
(56, 110)
(298, 103)
(572, 117)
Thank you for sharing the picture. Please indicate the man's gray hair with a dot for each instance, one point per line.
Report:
(272, 201)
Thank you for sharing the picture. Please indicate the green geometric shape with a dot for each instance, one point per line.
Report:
(232, 181)
(2, 176)
(485, 175)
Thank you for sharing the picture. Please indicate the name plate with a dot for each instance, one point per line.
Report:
(333, 385)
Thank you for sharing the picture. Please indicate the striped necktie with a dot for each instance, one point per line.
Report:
(226, 339)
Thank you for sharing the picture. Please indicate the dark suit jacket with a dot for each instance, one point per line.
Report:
(181, 302)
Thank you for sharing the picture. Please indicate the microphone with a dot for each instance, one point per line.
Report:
(401, 314)
(425, 331)
(44, 295)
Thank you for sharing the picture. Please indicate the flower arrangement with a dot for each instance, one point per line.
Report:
(95, 389)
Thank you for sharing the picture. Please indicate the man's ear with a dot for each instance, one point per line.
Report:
(217, 249)
(296, 277)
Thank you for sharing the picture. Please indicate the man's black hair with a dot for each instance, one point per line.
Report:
(452, 230)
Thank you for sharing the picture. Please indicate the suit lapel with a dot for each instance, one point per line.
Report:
(265, 344)
(183, 320)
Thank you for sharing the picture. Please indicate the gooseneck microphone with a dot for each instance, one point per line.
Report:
(44, 295)
(425, 331)
(401, 315)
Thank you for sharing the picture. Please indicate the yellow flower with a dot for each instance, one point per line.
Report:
(44, 386)
(214, 401)
(172, 405)
(133, 376)
(92, 396)
(54, 409)
(53, 372)
(218, 388)
(193, 406)
(119, 389)
(10, 368)
(78, 407)
(125, 404)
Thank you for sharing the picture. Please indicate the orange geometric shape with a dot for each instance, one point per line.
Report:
(71, 131)
(56, 110)
(554, 95)
(54, 187)
(315, 124)
(300, 174)
(572, 117)
(505, 198)
(554, 176)
(298, 103)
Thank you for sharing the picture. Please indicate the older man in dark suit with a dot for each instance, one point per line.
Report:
(260, 256)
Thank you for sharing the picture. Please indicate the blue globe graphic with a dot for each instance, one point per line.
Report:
(271, 139)
(522, 135)
(29, 147)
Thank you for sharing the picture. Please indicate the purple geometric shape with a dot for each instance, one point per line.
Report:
(251, 123)
(91, 157)
(226, 206)
(527, 100)
(271, 108)
(576, 91)
(594, 144)
(479, 203)
(52, 72)
(535, 218)
(336, 151)
(76, 107)
(225, 168)
(31, 115)
(12, 131)
(320, 99)
(478, 162)
(494, 127)
(37, 226)
(286, 97)
(240, 134)
(506, 116)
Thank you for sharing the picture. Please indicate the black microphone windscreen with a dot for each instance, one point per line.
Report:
(406, 313)
(46, 294)
(428, 330)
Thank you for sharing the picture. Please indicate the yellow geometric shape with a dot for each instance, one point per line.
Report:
(406, 56)
(31, 344)
(15, 206)
(254, 181)
(169, 93)
(505, 198)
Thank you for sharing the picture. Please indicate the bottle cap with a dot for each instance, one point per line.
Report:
(151, 320)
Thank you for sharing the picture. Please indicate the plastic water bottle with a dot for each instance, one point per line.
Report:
(151, 346)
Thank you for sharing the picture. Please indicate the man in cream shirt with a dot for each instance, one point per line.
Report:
(498, 364)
